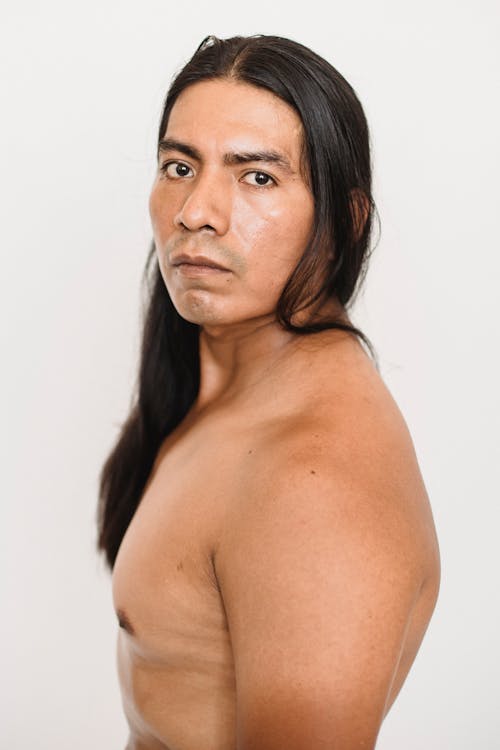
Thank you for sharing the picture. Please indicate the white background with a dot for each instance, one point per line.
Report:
(82, 86)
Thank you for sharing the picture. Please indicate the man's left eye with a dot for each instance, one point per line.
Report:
(259, 178)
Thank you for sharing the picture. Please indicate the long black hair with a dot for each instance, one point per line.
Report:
(336, 151)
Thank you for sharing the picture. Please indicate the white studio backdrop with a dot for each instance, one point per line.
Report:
(82, 87)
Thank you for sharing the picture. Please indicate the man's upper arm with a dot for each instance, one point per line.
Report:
(318, 582)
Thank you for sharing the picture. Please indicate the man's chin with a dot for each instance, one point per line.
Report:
(201, 315)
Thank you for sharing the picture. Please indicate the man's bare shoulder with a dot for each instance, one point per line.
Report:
(344, 445)
(342, 404)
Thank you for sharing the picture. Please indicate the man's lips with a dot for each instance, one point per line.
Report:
(197, 261)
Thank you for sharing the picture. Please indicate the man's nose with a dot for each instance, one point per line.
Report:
(207, 204)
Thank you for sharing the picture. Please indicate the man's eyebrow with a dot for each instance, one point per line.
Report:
(231, 158)
(271, 157)
(171, 144)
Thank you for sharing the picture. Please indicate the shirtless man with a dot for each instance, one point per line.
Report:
(275, 563)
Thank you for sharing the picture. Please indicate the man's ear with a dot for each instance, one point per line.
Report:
(360, 209)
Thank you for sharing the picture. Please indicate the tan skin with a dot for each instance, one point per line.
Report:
(278, 577)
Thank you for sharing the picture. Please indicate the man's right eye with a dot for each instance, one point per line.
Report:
(175, 169)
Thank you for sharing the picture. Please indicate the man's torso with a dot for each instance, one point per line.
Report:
(174, 651)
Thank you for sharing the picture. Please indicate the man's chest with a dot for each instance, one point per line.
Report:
(163, 581)
(175, 662)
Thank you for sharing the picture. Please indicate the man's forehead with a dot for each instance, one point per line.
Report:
(237, 118)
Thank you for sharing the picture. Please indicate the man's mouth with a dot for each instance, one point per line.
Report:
(197, 262)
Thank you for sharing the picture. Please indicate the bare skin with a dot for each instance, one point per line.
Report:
(277, 579)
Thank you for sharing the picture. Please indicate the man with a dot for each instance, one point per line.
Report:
(274, 553)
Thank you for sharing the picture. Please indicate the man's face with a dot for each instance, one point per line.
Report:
(230, 191)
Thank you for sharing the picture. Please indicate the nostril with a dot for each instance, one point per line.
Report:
(183, 224)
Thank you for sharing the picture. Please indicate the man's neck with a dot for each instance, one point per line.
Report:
(238, 357)
(233, 359)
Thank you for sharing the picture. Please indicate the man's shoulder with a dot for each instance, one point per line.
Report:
(344, 449)
(341, 409)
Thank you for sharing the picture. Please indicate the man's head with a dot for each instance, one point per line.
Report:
(264, 168)
(230, 191)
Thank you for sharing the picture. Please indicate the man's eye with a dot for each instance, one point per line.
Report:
(175, 169)
(259, 178)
